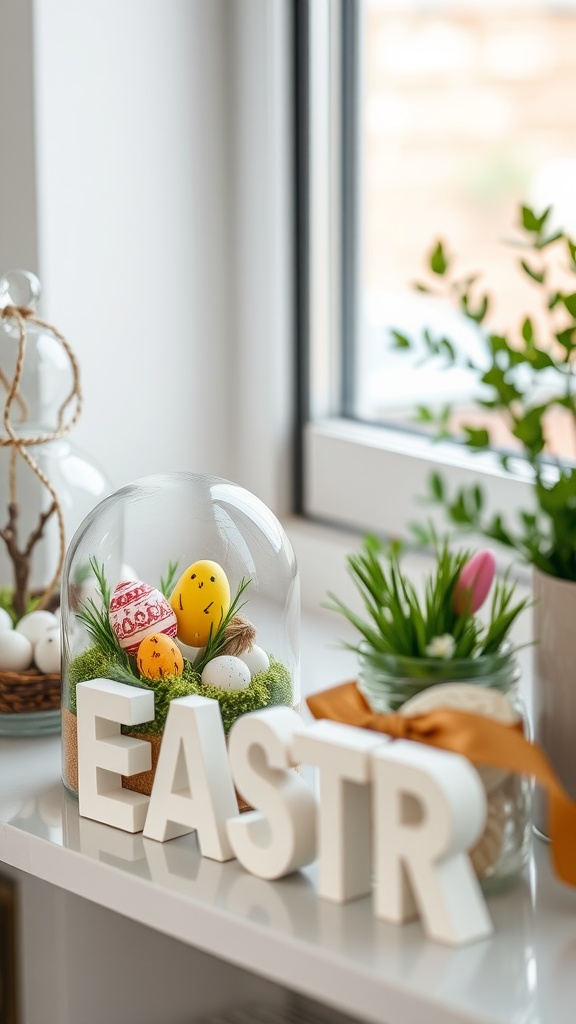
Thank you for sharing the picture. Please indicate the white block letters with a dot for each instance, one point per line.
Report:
(280, 836)
(395, 816)
(429, 809)
(104, 755)
(342, 755)
(193, 788)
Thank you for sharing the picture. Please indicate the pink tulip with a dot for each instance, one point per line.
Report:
(474, 582)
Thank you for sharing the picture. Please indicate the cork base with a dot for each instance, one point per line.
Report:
(143, 781)
(69, 750)
(140, 783)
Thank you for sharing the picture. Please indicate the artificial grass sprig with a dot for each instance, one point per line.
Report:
(443, 623)
(97, 623)
(167, 584)
(217, 638)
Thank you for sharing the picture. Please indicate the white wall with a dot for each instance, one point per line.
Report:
(163, 242)
(134, 227)
(261, 185)
(18, 238)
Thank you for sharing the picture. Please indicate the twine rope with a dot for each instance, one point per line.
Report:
(68, 415)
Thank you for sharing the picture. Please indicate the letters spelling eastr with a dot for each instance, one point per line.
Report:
(420, 867)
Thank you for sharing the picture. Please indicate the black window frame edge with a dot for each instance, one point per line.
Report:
(348, 240)
(301, 134)
(349, 199)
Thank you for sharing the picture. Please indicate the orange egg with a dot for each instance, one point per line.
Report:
(158, 656)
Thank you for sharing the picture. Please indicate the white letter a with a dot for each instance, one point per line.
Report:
(193, 787)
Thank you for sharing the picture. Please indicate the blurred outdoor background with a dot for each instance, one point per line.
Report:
(468, 109)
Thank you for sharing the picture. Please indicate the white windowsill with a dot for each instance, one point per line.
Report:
(375, 478)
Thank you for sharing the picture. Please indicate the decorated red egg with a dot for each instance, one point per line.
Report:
(136, 611)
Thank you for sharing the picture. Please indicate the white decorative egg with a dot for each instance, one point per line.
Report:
(35, 624)
(191, 654)
(226, 673)
(257, 660)
(47, 652)
(136, 611)
(5, 621)
(15, 651)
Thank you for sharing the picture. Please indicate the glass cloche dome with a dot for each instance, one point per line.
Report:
(189, 584)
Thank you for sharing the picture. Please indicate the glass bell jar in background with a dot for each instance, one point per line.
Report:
(47, 487)
(184, 583)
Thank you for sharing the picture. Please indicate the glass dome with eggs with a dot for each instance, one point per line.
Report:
(182, 583)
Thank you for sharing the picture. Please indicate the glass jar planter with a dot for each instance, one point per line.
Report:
(134, 538)
(390, 682)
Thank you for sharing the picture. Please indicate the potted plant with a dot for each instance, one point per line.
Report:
(527, 380)
(420, 650)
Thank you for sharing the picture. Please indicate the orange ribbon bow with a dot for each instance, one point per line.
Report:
(482, 740)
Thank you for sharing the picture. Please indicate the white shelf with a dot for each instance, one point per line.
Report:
(340, 956)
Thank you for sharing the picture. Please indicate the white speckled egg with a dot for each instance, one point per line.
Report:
(226, 673)
(35, 624)
(136, 611)
(47, 652)
(15, 651)
(257, 660)
(5, 621)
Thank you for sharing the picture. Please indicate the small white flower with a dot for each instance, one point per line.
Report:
(441, 646)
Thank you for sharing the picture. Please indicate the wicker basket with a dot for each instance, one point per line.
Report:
(29, 691)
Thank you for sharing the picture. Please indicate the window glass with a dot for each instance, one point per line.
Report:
(464, 112)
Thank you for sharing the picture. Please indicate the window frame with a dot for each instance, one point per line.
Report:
(357, 475)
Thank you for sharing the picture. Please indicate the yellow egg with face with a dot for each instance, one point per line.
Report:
(158, 656)
(200, 600)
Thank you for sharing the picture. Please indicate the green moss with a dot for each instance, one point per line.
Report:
(91, 664)
(266, 688)
(234, 703)
(166, 690)
(190, 674)
(280, 682)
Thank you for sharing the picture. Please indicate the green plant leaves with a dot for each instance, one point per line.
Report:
(437, 487)
(506, 391)
(402, 622)
(400, 340)
(477, 437)
(537, 275)
(532, 223)
(438, 260)
(528, 429)
(569, 302)
(479, 312)
(514, 373)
